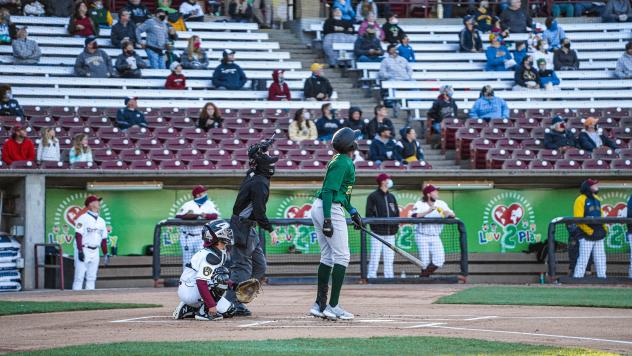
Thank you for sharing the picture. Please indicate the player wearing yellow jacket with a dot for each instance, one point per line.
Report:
(592, 237)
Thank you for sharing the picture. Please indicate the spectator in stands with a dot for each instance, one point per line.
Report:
(18, 147)
(469, 37)
(526, 76)
(548, 78)
(100, 14)
(562, 7)
(542, 52)
(392, 32)
(80, 150)
(395, 67)
(25, 51)
(34, 8)
(130, 115)
(355, 121)
(483, 17)
(302, 128)
(347, 10)
(383, 147)
(590, 138)
(166, 6)
(48, 148)
(157, 41)
(8, 105)
(240, 11)
(80, 24)
(497, 29)
(380, 119)
(176, 80)
(139, 12)
(7, 30)
(520, 51)
(192, 11)
(336, 30)
(368, 48)
(59, 8)
(123, 30)
(365, 9)
(515, 18)
(565, 58)
(195, 56)
(228, 75)
(371, 21)
(129, 64)
(327, 125)
(279, 90)
(11, 6)
(488, 106)
(617, 11)
(408, 146)
(210, 117)
(558, 137)
(444, 107)
(93, 62)
(554, 33)
(498, 56)
(317, 87)
(405, 50)
(623, 69)
(589, 8)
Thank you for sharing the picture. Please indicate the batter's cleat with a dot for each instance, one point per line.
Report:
(241, 310)
(315, 311)
(337, 312)
(209, 317)
(182, 311)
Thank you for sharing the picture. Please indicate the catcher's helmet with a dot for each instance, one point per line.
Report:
(218, 230)
(344, 140)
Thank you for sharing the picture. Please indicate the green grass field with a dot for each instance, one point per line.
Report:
(423, 345)
(569, 297)
(25, 307)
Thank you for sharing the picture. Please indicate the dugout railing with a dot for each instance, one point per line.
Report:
(295, 257)
(562, 247)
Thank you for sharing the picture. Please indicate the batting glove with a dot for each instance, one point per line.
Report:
(356, 218)
(81, 256)
(328, 228)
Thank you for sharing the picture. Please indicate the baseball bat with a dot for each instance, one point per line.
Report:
(398, 250)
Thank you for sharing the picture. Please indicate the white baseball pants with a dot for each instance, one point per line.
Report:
(190, 244)
(190, 295)
(597, 248)
(430, 250)
(377, 248)
(87, 269)
(630, 270)
(335, 249)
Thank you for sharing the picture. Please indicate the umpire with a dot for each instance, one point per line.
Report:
(382, 204)
(248, 260)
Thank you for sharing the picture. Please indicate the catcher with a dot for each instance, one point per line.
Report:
(206, 279)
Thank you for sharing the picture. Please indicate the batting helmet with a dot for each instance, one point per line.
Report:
(218, 230)
(344, 140)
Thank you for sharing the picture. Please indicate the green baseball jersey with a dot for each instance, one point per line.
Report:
(338, 183)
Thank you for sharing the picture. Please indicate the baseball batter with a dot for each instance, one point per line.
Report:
(90, 234)
(205, 279)
(331, 226)
(428, 236)
(198, 208)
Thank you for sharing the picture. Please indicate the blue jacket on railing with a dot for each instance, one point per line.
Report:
(495, 63)
(548, 76)
(492, 108)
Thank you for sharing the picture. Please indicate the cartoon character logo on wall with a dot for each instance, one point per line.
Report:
(296, 238)
(509, 219)
(614, 204)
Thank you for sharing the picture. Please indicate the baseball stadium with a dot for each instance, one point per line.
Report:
(316, 177)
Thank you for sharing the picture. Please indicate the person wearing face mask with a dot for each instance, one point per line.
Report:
(302, 128)
(542, 52)
(228, 75)
(548, 78)
(392, 32)
(8, 105)
(591, 236)
(526, 77)
(198, 208)
(554, 33)
(192, 11)
(488, 106)
(559, 137)
(565, 58)
(623, 69)
(394, 66)
(93, 62)
(279, 90)
(123, 30)
(371, 21)
(383, 147)
(382, 204)
(129, 64)
(498, 56)
(139, 13)
(327, 124)
(80, 24)
(157, 40)
(428, 236)
(408, 146)
(100, 14)
(591, 138)
(483, 17)
(469, 38)
(368, 48)
(355, 122)
(442, 108)
(195, 56)
(338, 30)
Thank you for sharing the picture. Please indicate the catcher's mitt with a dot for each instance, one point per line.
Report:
(248, 290)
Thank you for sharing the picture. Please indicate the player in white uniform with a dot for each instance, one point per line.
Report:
(205, 279)
(198, 208)
(428, 236)
(90, 233)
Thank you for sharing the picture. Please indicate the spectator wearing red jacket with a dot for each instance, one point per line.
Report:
(176, 80)
(279, 90)
(18, 147)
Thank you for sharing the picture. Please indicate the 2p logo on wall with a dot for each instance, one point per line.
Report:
(509, 219)
(66, 215)
(614, 204)
(300, 237)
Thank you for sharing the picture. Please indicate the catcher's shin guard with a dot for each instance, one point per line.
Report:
(321, 296)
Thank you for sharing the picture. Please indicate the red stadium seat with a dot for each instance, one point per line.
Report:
(114, 165)
(448, 134)
(287, 164)
(103, 154)
(478, 152)
(143, 165)
(203, 144)
(53, 165)
(89, 111)
(312, 165)
(550, 155)
(392, 165)
(540, 165)
(419, 165)
(286, 145)
(538, 132)
(577, 155)
(164, 133)
(527, 123)
(226, 113)
(61, 111)
(608, 123)
(298, 155)
(515, 164)
(508, 144)
(532, 144)
(70, 121)
(108, 133)
(604, 153)
(190, 154)
(83, 165)
(235, 123)
(229, 164)
(74, 131)
(252, 113)
(366, 165)
(176, 144)
(182, 122)
(596, 164)
(262, 122)
(477, 124)
(623, 133)
(98, 122)
(221, 134)
(193, 133)
(567, 164)
(626, 153)
(233, 145)
(173, 165)
(464, 136)
(38, 122)
(524, 155)
(132, 155)
(10, 121)
(518, 133)
(621, 164)
(137, 133)
(217, 154)
(493, 133)
(96, 142)
(323, 155)
(496, 157)
(149, 143)
(161, 154)
(23, 165)
(155, 122)
(201, 165)
(269, 131)
(120, 144)
(502, 124)
(315, 145)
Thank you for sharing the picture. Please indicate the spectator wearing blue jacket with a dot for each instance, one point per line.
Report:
(405, 50)
(498, 56)
(347, 10)
(327, 125)
(520, 51)
(548, 78)
(229, 75)
(554, 34)
(488, 106)
(384, 148)
(130, 115)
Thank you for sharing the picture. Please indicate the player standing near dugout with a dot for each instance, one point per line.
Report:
(382, 204)
(90, 233)
(591, 241)
(198, 208)
(331, 226)
(247, 257)
(428, 236)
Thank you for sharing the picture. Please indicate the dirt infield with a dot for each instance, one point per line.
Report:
(281, 312)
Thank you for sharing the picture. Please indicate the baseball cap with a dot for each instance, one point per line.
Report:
(557, 119)
(591, 121)
(468, 18)
(315, 66)
(429, 189)
(228, 52)
(383, 128)
(197, 190)
(91, 199)
(89, 40)
(590, 182)
(382, 177)
(174, 65)
(130, 98)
